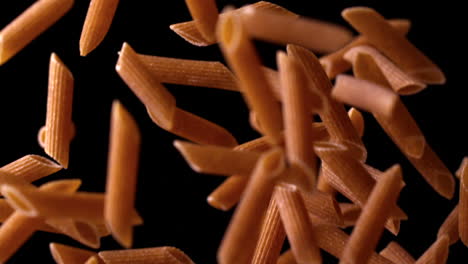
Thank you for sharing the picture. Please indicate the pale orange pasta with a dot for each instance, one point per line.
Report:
(59, 130)
(156, 255)
(322, 208)
(94, 260)
(463, 209)
(31, 167)
(334, 63)
(357, 120)
(370, 64)
(395, 46)
(82, 232)
(240, 238)
(243, 59)
(63, 254)
(310, 33)
(396, 253)
(30, 24)
(463, 169)
(18, 228)
(211, 74)
(297, 224)
(287, 258)
(450, 226)
(205, 16)
(370, 224)
(97, 24)
(436, 253)
(5, 210)
(122, 171)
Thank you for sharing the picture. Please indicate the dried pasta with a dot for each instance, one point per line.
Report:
(396, 253)
(463, 209)
(205, 16)
(31, 167)
(436, 253)
(450, 226)
(156, 255)
(63, 254)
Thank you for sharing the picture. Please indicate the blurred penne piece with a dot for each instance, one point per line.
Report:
(156, 255)
(396, 253)
(63, 254)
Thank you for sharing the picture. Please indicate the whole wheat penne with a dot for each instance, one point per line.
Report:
(396, 253)
(287, 258)
(333, 114)
(30, 24)
(400, 126)
(31, 167)
(8, 178)
(5, 210)
(217, 160)
(274, 81)
(436, 253)
(205, 16)
(296, 115)
(241, 236)
(59, 129)
(190, 32)
(296, 224)
(450, 226)
(156, 255)
(357, 120)
(241, 56)
(370, 224)
(350, 212)
(323, 185)
(370, 64)
(334, 63)
(322, 208)
(272, 237)
(93, 260)
(463, 209)
(395, 46)
(211, 74)
(63, 254)
(153, 95)
(463, 168)
(83, 232)
(18, 227)
(97, 23)
(122, 171)
(310, 33)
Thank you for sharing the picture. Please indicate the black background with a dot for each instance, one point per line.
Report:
(171, 197)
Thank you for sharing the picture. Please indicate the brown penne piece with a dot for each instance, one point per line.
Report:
(436, 253)
(190, 32)
(296, 116)
(463, 169)
(450, 226)
(63, 254)
(18, 228)
(310, 33)
(463, 209)
(395, 46)
(397, 122)
(334, 63)
(122, 172)
(217, 160)
(369, 64)
(333, 115)
(350, 212)
(30, 24)
(357, 120)
(205, 16)
(5, 210)
(272, 237)
(370, 224)
(97, 23)
(322, 208)
(241, 236)
(243, 59)
(94, 260)
(82, 232)
(396, 253)
(287, 258)
(56, 135)
(211, 74)
(31, 167)
(296, 224)
(156, 255)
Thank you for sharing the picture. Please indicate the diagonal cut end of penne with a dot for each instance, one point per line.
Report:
(63, 254)
(17, 200)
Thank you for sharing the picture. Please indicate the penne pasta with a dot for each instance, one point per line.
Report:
(296, 224)
(5, 210)
(272, 237)
(462, 170)
(450, 226)
(93, 260)
(30, 24)
(334, 63)
(333, 115)
(122, 172)
(211, 74)
(322, 208)
(357, 120)
(190, 32)
(310, 33)
(350, 212)
(296, 116)
(463, 209)
(241, 56)
(395, 46)
(369, 64)
(241, 236)
(156, 255)
(397, 122)
(287, 258)
(396, 253)
(97, 23)
(31, 167)
(205, 16)
(63, 254)
(82, 232)
(59, 130)
(370, 224)
(436, 253)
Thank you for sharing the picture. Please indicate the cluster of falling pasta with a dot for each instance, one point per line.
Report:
(281, 190)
